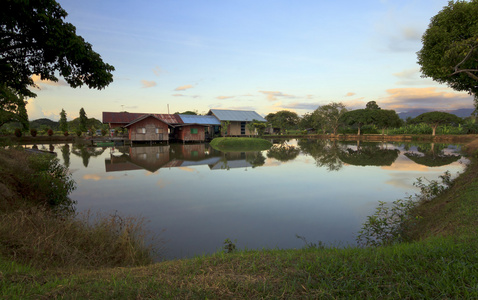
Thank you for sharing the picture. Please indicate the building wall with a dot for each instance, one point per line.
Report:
(149, 129)
(191, 133)
(235, 128)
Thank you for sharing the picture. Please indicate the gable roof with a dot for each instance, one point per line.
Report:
(145, 117)
(236, 115)
(127, 117)
(200, 120)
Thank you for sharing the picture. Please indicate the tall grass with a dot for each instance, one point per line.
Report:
(39, 226)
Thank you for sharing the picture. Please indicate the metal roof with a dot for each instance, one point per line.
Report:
(200, 120)
(236, 115)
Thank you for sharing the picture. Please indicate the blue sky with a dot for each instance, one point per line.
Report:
(253, 55)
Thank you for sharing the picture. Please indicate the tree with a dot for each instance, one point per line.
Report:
(63, 121)
(358, 117)
(437, 118)
(385, 119)
(83, 120)
(12, 107)
(35, 40)
(283, 119)
(450, 47)
(329, 116)
(372, 105)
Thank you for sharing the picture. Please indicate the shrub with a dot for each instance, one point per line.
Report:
(33, 132)
(18, 132)
(66, 133)
(50, 132)
(78, 132)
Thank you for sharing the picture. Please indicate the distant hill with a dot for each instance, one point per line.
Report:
(37, 124)
(462, 112)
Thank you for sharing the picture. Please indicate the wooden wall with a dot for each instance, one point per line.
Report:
(145, 130)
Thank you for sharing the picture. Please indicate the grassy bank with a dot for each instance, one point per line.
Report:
(438, 261)
(227, 144)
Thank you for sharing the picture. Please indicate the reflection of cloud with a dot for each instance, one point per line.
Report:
(162, 184)
(184, 87)
(148, 84)
(402, 163)
(431, 98)
(187, 169)
(97, 177)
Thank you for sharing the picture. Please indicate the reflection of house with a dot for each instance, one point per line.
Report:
(149, 158)
(237, 120)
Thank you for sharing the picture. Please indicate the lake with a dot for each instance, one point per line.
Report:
(319, 189)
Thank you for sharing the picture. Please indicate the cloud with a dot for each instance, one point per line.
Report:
(224, 97)
(184, 87)
(43, 83)
(274, 95)
(302, 106)
(36, 111)
(430, 97)
(349, 94)
(182, 95)
(158, 71)
(148, 84)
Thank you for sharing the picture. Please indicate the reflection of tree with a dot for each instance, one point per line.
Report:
(256, 159)
(369, 155)
(86, 152)
(65, 152)
(283, 152)
(432, 155)
(325, 153)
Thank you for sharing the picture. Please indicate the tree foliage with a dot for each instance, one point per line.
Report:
(35, 40)
(283, 119)
(358, 117)
(83, 120)
(437, 118)
(329, 116)
(63, 121)
(450, 47)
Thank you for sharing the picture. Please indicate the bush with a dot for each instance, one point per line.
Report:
(66, 133)
(78, 132)
(33, 132)
(18, 132)
(50, 132)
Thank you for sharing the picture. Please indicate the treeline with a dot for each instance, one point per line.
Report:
(335, 118)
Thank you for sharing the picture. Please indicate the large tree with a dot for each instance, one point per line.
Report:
(358, 117)
(83, 120)
(283, 119)
(437, 118)
(450, 47)
(35, 40)
(329, 116)
(385, 119)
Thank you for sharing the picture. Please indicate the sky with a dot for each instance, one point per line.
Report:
(262, 55)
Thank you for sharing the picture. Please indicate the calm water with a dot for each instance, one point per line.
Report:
(318, 189)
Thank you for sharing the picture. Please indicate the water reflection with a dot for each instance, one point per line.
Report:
(329, 154)
(153, 158)
(320, 189)
(433, 155)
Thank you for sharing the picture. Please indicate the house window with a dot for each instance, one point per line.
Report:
(159, 130)
(141, 130)
(243, 128)
(194, 130)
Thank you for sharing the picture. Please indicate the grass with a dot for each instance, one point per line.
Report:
(438, 262)
(227, 144)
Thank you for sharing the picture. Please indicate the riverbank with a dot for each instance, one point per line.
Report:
(439, 261)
